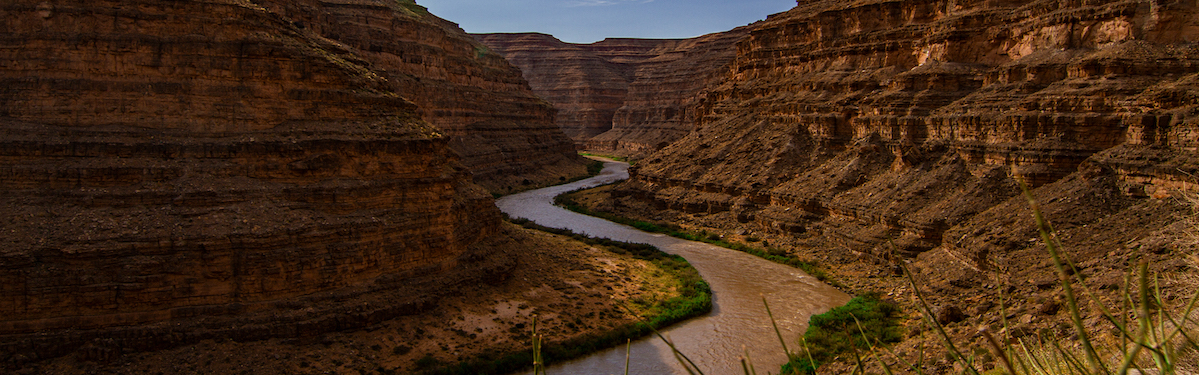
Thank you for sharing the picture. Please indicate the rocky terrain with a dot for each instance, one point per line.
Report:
(632, 96)
(174, 172)
(865, 134)
(568, 285)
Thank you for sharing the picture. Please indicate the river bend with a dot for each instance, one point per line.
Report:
(716, 341)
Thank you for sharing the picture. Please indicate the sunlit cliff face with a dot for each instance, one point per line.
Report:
(903, 119)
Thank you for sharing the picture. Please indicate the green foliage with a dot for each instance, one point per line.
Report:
(695, 299)
(595, 167)
(481, 51)
(774, 255)
(428, 361)
(613, 157)
(864, 321)
(802, 366)
(411, 7)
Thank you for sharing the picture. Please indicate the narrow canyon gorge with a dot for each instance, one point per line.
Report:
(304, 178)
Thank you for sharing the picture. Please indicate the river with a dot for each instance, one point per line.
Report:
(717, 341)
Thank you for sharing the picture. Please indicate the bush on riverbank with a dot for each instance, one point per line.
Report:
(1149, 332)
(594, 168)
(613, 157)
(694, 299)
(846, 330)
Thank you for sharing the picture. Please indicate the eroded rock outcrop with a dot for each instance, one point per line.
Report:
(902, 119)
(879, 132)
(586, 83)
(180, 171)
(628, 95)
(662, 100)
(505, 134)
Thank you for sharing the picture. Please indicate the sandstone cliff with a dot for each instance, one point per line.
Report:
(505, 134)
(627, 95)
(915, 116)
(178, 171)
(586, 83)
(660, 106)
(843, 127)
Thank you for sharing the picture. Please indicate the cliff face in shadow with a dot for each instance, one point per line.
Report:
(627, 95)
(180, 171)
(505, 134)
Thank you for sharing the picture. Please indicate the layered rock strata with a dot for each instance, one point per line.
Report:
(180, 171)
(505, 134)
(878, 136)
(628, 95)
(586, 83)
(845, 125)
(663, 96)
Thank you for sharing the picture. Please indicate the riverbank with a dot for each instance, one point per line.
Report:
(574, 289)
(740, 283)
(962, 299)
(586, 202)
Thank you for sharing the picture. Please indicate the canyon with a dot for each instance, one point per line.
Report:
(245, 171)
(875, 135)
(905, 119)
(630, 96)
(175, 172)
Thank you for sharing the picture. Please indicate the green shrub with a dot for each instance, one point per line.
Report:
(865, 320)
(695, 299)
(595, 167)
(801, 366)
(774, 255)
(411, 7)
(613, 157)
(427, 362)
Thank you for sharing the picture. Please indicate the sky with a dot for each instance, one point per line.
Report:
(587, 21)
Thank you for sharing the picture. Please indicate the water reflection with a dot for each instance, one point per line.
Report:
(738, 322)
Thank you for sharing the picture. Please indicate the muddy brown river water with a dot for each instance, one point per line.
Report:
(717, 341)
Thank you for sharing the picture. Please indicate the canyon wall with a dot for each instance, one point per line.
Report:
(586, 83)
(505, 134)
(628, 95)
(880, 128)
(179, 171)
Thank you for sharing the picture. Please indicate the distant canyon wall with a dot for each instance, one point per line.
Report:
(628, 95)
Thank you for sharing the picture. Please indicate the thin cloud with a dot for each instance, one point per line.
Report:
(599, 3)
